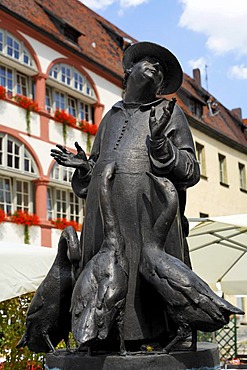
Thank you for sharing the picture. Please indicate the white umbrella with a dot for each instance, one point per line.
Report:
(22, 268)
(218, 251)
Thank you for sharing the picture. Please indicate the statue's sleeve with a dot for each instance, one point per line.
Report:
(173, 154)
(80, 179)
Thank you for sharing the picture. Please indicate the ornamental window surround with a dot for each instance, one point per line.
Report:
(17, 170)
(61, 201)
(69, 90)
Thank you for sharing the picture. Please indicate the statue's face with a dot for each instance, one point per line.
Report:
(149, 69)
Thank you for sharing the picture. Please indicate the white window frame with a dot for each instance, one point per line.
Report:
(19, 199)
(6, 191)
(15, 84)
(72, 105)
(200, 154)
(242, 176)
(25, 158)
(222, 169)
(23, 56)
(48, 99)
(70, 207)
(71, 77)
(69, 90)
(18, 168)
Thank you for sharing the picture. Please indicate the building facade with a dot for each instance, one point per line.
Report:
(60, 72)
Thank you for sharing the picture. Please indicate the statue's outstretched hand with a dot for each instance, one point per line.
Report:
(68, 159)
(157, 126)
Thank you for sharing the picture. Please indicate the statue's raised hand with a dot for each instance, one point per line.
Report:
(68, 159)
(157, 125)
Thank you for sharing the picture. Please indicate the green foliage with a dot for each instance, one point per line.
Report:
(205, 337)
(12, 326)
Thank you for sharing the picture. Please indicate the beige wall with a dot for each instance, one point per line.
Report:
(208, 196)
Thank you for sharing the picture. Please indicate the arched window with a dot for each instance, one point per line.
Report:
(16, 65)
(61, 201)
(68, 89)
(17, 170)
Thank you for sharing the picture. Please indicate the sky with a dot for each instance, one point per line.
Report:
(210, 35)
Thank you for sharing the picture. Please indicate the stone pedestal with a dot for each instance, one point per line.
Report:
(205, 358)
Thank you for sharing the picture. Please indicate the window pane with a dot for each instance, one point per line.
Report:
(222, 169)
(28, 162)
(78, 81)
(1, 196)
(61, 203)
(82, 111)
(22, 195)
(10, 146)
(25, 187)
(27, 59)
(59, 100)
(61, 173)
(25, 200)
(72, 106)
(13, 48)
(242, 176)
(6, 78)
(22, 84)
(54, 72)
(19, 199)
(9, 161)
(49, 203)
(48, 99)
(17, 162)
(18, 186)
(74, 207)
(87, 113)
(13, 159)
(5, 194)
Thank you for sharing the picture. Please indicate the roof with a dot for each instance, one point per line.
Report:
(102, 43)
(100, 40)
(216, 117)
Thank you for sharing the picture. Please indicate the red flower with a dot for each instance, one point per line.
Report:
(26, 103)
(93, 129)
(63, 117)
(2, 216)
(61, 223)
(24, 218)
(3, 93)
(88, 128)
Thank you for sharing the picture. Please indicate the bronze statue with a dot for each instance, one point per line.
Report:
(48, 318)
(137, 220)
(99, 295)
(191, 303)
(144, 132)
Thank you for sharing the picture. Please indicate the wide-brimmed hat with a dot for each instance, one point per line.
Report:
(173, 71)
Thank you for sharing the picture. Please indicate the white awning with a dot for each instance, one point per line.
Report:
(22, 268)
(218, 251)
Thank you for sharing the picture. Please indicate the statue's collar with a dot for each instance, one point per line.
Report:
(121, 105)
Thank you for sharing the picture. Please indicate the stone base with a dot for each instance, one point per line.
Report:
(205, 358)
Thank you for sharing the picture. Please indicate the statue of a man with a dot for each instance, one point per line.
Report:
(142, 133)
